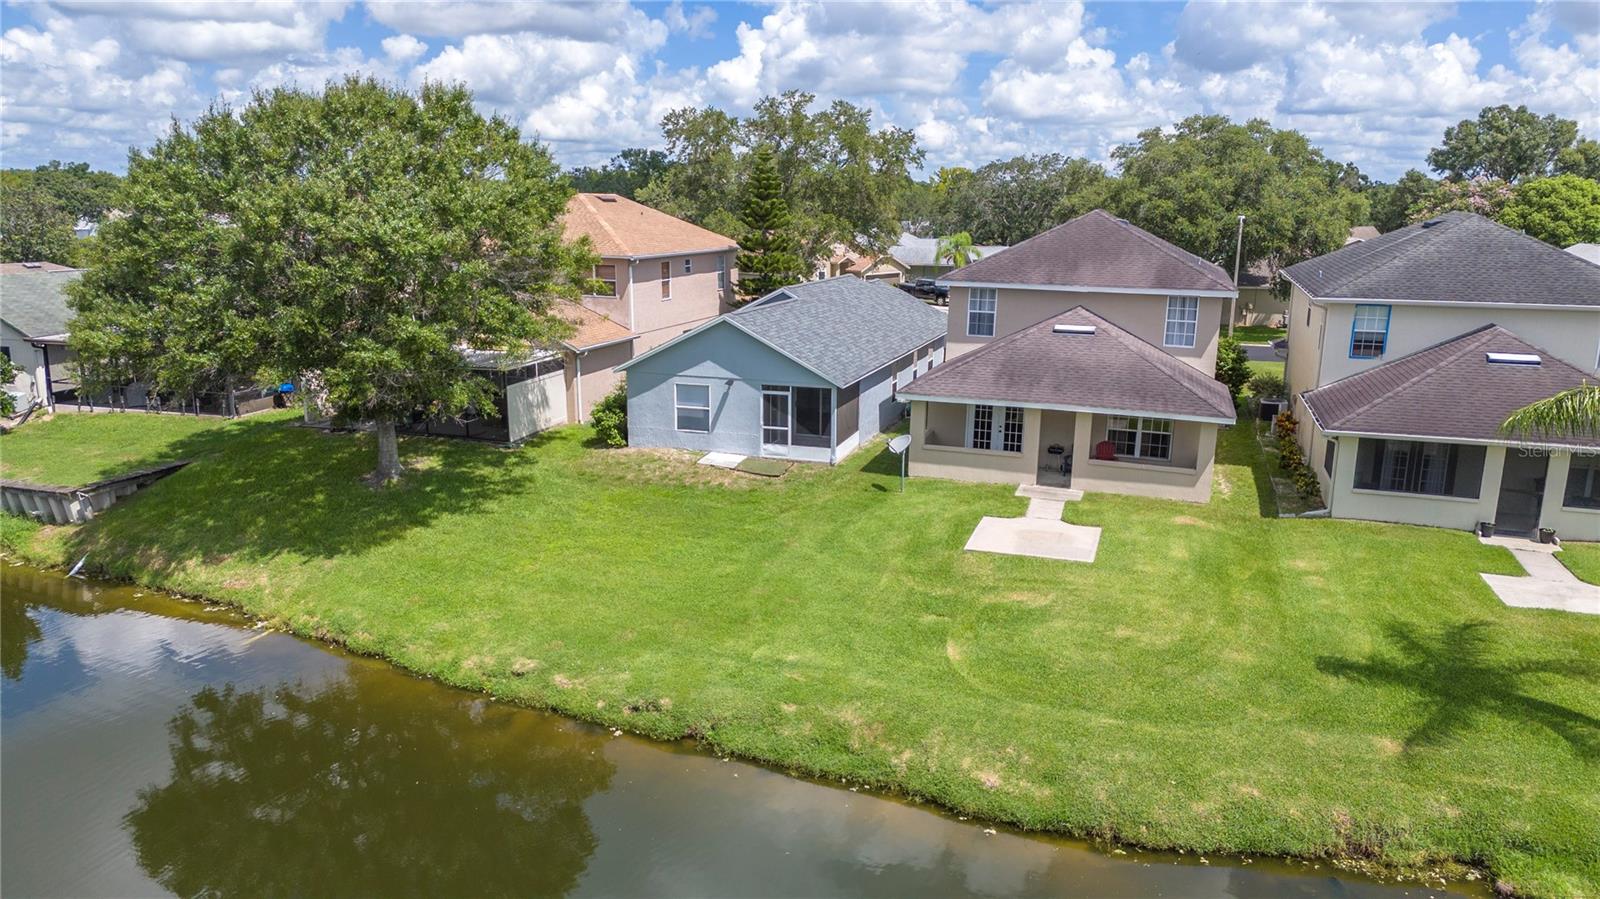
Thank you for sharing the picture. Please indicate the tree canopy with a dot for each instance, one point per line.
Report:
(1507, 144)
(1189, 184)
(1008, 201)
(769, 257)
(840, 177)
(626, 174)
(33, 226)
(362, 236)
(1563, 210)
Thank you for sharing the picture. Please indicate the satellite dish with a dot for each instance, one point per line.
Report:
(899, 444)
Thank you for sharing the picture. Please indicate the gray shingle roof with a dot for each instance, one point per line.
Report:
(1109, 370)
(35, 302)
(1461, 257)
(1448, 390)
(1097, 249)
(843, 328)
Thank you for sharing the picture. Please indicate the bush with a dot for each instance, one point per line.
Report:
(1266, 384)
(1284, 425)
(610, 416)
(1233, 366)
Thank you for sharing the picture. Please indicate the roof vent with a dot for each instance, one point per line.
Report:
(1073, 329)
(1512, 358)
(33, 265)
(607, 198)
(1431, 222)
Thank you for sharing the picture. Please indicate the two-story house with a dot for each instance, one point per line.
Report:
(662, 276)
(1408, 351)
(1083, 356)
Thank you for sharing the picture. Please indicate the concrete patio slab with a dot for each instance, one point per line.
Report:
(1521, 543)
(721, 460)
(1549, 585)
(1039, 491)
(1035, 537)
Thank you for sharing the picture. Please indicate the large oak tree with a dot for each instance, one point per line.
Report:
(361, 236)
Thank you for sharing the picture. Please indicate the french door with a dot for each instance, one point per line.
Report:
(775, 419)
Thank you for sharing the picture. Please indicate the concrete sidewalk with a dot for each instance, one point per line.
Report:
(1549, 585)
(1040, 531)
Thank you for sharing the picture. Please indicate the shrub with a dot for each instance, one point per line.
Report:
(1233, 366)
(610, 416)
(1305, 480)
(1266, 384)
(1284, 425)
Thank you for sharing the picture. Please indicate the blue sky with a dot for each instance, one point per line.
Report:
(1371, 83)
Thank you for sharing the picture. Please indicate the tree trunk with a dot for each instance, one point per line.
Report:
(388, 453)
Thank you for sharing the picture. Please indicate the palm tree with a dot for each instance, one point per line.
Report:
(1570, 413)
(957, 249)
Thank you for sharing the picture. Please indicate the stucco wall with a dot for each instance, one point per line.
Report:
(949, 458)
(598, 378)
(1257, 306)
(1570, 523)
(734, 366)
(27, 358)
(695, 297)
(1145, 315)
(1189, 479)
(1573, 336)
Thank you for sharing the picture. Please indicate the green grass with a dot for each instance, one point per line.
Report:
(1274, 367)
(73, 449)
(1258, 333)
(1217, 680)
(1583, 559)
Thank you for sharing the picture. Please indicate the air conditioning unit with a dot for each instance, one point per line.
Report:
(1271, 407)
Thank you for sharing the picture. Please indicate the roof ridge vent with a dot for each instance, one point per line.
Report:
(1513, 358)
(1074, 329)
(1431, 222)
(33, 265)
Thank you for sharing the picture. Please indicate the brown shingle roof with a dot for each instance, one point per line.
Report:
(23, 268)
(1448, 390)
(1110, 370)
(617, 226)
(1097, 250)
(590, 328)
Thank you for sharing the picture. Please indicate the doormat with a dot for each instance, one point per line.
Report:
(767, 468)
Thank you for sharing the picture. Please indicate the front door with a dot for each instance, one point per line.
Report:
(775, 421)
(1521, 492)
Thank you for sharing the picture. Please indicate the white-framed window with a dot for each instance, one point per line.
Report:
(666, 280)
(692, 407)
(1183, 318)
(988, 429)
(1583, 482)
(722, 272)
(982, 303)
(1140, 438)
(608, 275)
(1369, 332)
(688, 266)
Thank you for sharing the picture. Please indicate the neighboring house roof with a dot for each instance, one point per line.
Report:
(1360, 233)
(1588, 251)
(1450, 390)
(1259, 274)
(1455, 258)
(843, 328)
(1109, 370)
(617, 226)
(590, 328)
(26, 268)
(499, 360)
(1098, 251)
(924, 251)
(34, 301)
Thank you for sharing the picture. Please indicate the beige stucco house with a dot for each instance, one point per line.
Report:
(662, 275)
(1407, 351)
(1081, 357)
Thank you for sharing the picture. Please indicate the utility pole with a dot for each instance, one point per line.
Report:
(1238, 252)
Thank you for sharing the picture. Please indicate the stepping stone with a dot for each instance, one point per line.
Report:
(721, 460)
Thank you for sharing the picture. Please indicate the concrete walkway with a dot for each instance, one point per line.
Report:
(1040, 531)
(1549, 585)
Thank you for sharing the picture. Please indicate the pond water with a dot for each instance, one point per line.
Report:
(150, 745)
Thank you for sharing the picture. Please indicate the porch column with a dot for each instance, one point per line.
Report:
(1032, 420)
(1082, 451)
(1555, 489)
(1494, 467)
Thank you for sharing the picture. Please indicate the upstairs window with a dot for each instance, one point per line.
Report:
(608, 275)
(722, 272)
(1183, 318)
(1141, 438)
(666, 280)
(982, 303)
(1369, 332)
(688, 266)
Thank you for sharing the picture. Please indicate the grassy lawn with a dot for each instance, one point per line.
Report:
(1218, 679)
(1583, 559)
(1275, 367)
(73, 449)
(1258, 333)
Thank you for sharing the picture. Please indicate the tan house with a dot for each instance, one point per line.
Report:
(1407, 351)
(846, 261)
(1081, 357)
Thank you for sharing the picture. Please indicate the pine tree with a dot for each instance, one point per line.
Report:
(770, 256)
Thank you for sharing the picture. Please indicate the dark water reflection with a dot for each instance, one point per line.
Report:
(151, 746)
